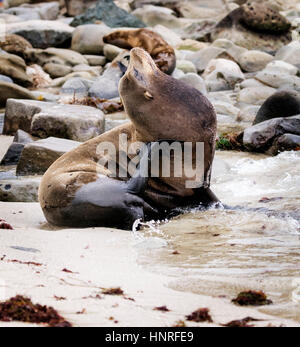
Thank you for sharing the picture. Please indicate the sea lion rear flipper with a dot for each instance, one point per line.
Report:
(206, 197)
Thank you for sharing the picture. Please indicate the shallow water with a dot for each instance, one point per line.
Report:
(225, 251)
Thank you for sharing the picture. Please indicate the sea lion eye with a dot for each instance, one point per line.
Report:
(147, 95)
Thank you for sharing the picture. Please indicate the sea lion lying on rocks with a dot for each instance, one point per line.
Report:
(80, 189)
(161, 52)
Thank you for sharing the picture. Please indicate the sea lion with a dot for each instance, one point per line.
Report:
(280, 104)
(161, 52)
(78, 191)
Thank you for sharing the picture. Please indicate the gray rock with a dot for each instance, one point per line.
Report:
(279, 80)
(14, 151)
(252, 61)
(43, 119)
(110, 14)
(20, 190)
(77, 87)
(186, 66)
(42, 33)
(281, 104)
(256, 95)
(88, 39)
(11, 90)
(46, 11)
(260, 137)
(202, 58)
(111, 51)
(37, 157)
(195, 81)
(286, 142)
(290, 53)
(6, 79)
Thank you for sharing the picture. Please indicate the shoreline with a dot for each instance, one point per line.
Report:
(98, 258)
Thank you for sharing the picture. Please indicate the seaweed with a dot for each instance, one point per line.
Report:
(252, 298)
(21, 309)
(180, 324)
(161, 308)
(3, 258)
(5, 225)
(112, 291)
(201, 315)
(242, 323)
(229, 142)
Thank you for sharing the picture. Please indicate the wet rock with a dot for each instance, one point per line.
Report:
(15, 68)
(43, 119)
(195, 81)
(280, 104)
(20, 190)
(261, 137)
(95, 60)
(222, 74)
(88, 39)
(255, 26)
(45, 11)
(37, 157)
(14, 151)
(15, 44)
(286, 142)
(255, 95)
(76, 7)
(10, 90)
(252, 61)
(290, 53)
(43, 33)
(110, 14)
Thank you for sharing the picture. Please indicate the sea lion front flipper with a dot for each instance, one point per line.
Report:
(206, 197)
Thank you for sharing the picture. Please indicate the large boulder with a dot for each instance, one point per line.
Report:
(280, 105)
(110, 14)
(44, 119)
(88, 39)
(38, 156)
(262, 136)
(10, 90)
(43, 33)
(14, 67)
(255, 26)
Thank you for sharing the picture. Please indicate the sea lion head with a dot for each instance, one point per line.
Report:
(162, 107)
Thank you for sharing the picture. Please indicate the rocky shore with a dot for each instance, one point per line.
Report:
(59, 88)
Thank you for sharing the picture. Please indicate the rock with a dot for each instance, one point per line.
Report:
(168, 35)
(75, 87)
(251, 83)
(13, 3)
(110, 14)
(111, 51)
(281, 104)
(39, 77)
(43, 119)
(202, 58)
(95, 60)
(279, 80)
(10, 90)
(45, 11)
(254, 26)
(59, 82)
(88, 39)
(195, 81)
(255, 95)
(279, 66)
(43, 33)
(57, 70)
(8, 18)
(290, 53)
(107, 85)
(260, 137)
(222, 74)
(186, 66)
(234, 52)
(15, 44)
(248, 114)
(286, 142)
(38, 156)
(76, 7)
(15, 68)
(191, 45)
(95, 70)
(68, 56)
(20, 190)
(154, 15)
(14, 151)
(226, 108)
(200, 30)
(252, 61)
